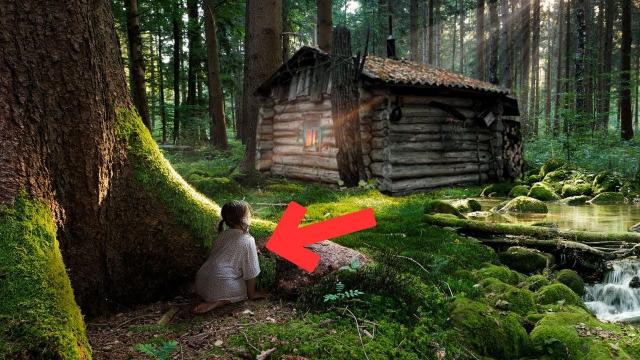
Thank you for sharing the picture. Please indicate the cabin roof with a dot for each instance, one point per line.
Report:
(389, 72)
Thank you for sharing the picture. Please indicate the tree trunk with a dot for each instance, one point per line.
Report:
(437, 33)
(218, 128)
(626, 119)
(239, 98)
(431, 33)
(567, 67)
(507, 45)
(136, 61)
(462, 34)
(494, 28)
(177, 62)
(580, 67)
(480, 43)
(559, 74)
(535, 64)
(454, 41)
(604, 102)
(525, 61)
(551, 43)
(413, 30)
(263, 55)
(383, 26)
(324, 25)
(344, 109)
(163, 108)
(193, 35)
(129, 230)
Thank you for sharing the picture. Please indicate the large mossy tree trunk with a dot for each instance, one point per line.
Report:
(73, 148)
(345, 109)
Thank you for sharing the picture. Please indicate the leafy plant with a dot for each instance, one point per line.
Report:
(341, 294)
(354, 266)
(161, 351)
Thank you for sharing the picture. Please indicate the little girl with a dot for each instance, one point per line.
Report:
(229, 274)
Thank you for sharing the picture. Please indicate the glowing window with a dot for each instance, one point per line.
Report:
(312, 136)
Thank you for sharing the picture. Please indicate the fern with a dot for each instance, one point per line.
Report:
(341, 294)
(162, 351)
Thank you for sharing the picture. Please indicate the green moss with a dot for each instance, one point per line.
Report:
(507, 297)
(501, 273)
(467, 205)
(442, 207)
(39, 318)
(606, 182)
(497, 190)
(608, 198)
(153, 172)
(573, 189)
(557, 176)
(557, 293)
(576, 200)
(487, 332)
(572, 280)
(526, 260)
(519, 190)
(543, 191)
(535, 282)
(551, 165)
(532, 179)
(525, 205)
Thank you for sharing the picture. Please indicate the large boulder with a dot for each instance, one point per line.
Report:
(519, 190)
(557, 176)
(535, 282)
(507, 297)
(575, 189)
(497, 190)
(525, 205)
(543, 191)
(572, 280)
(608, 198)
(290, 278)
(525, 260)
(442, 207)
(576, 200)
(551, 165)
(501, 273)
(606, 182)
(557, 293)
(635, 228)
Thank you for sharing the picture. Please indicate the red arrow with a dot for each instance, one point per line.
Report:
(289, 239)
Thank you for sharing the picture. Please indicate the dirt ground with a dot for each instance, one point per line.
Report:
(198, 337)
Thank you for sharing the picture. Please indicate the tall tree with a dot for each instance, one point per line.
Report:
(218, 128)
(461, 11)
(163, 108)
(525, 62)
(626, 119)
(437, 33)
(552, 33)
(136, 61)
(413, 30)
(177, 65)
(70, 169)
(604, 101)
(454, 39)
(580, 55)
(494, 28)
(559, 74)
(535, 67)
(480, 41)
(263, 56)
(193, 35)
(324, 24)
(507, 44)
(431, 33)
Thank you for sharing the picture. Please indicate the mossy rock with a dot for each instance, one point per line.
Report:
(535, 282)
(557, 176)
(545, 224)
(557, 293)
(608, 198)
(551, 165)
(500, 206)
(532, 179)
(39, 317)
(490, 216)
(525, 260)
(576, 200)
(487, 332)
(501, 273)
(467, 205)
(606, 182)
(543, 191)
(572, 280)
(497, 190)
(575, 189)
(519, 190)
(525, 205)
(507, 297)
(442, 207)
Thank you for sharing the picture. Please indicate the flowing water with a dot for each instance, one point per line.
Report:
(602, 218)
(614, 299)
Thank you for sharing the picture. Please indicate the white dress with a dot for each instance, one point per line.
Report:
(233, 259)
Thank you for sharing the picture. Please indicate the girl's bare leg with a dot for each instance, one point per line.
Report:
(205, 307)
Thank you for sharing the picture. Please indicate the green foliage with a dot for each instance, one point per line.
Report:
(525, 260)
(550, 165)
(543, 191)
(606, 181)
(497, 190)
(572, 280)
(525, 205)
(341, 294)
(160, 350)
(557, 294)
(39, 318)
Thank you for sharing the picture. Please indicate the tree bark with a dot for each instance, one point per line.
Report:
(413, 30)
(579, 75)
(480, 43)
(344, 109)
(626, 119)
(559, 74)
(163, 108)
(462, 33)
(535, 64)
(177, 62)
(431, 33)
(324, 26)
(551, 43)
(136, 61)
(525, 61)
(507, 45)
(494, 39)
(263, 55)
(437, 33)
(604, 102)
(193, 35)
(122, 215)
(218, 127)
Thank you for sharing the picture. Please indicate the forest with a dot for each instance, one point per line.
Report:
(460, 179)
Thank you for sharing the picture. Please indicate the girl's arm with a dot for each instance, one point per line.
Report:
(252, 293)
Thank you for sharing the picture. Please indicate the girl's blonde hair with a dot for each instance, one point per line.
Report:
(234, 213)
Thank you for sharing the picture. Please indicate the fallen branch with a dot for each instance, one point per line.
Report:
(358, 330)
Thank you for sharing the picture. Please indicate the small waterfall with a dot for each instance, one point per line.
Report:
(614, 299)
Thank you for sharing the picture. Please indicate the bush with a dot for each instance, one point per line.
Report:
(572, 280)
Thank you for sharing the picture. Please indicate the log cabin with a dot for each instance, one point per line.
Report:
(421, 127)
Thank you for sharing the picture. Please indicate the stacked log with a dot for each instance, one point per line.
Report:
(512, 149)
